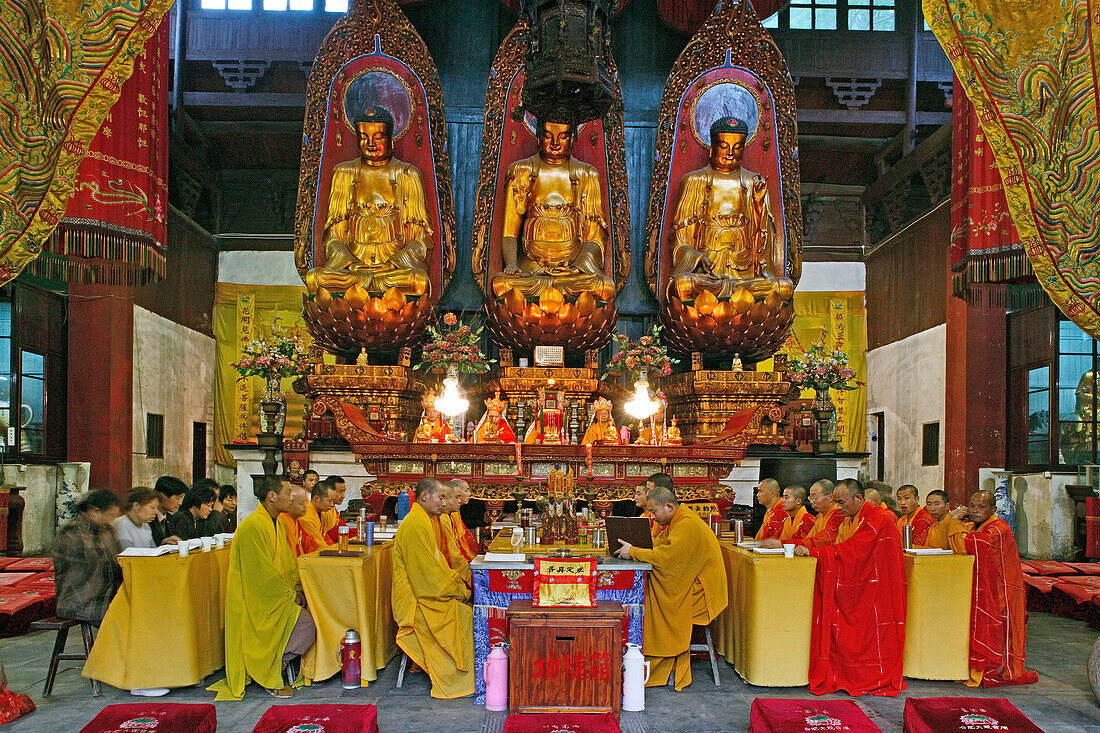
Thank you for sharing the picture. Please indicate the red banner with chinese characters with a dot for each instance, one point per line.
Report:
(115, 226)
(985, 247)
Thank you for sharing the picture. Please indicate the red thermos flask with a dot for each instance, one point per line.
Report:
(351, 660)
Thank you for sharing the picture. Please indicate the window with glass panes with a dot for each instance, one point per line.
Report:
(870, 15)
(1076, 398)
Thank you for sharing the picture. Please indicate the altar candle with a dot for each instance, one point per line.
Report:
(588, 458)
(519, 458)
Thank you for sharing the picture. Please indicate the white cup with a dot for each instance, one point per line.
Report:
(207, 543)
(183, 548)
(219, 542)
(788, 550)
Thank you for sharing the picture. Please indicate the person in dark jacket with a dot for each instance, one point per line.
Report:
(193, 518)
(85, 559)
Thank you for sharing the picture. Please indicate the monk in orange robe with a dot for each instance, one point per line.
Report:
(290, 520)
(767, 495)
(938, 506)
(663, 480)
(331, 521)
(447, 537)
(309, 524)
(914, 515)
(467, 543)
(998, 611)
(799, 522)
(859, 603)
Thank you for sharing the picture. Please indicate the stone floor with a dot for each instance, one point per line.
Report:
(1057, 647)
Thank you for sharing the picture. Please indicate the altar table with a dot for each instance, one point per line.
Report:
(497, 584)
(771, 611)
(349, 593)
(165, 626)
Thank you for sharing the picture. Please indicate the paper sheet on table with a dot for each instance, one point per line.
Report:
(928, 551)
(749, 543)
(507, 557)
(768, 550)
(148, 551)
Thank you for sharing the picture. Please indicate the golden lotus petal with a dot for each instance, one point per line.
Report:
(394, 299)
(586, 304)
(323, 297)
(375, 308)
(356, 297)
(533, 312)
(722, 312)
(705, 302)
(551, 300)
(567, 312)
(515, 301)
(742, 300)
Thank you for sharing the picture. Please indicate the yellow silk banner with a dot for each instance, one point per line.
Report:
(1029, 69)
(841, 318)
(243, 313)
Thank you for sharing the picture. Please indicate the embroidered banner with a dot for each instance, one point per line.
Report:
(838, 339)
(1028, 69)
(62, 68)
(242, 392)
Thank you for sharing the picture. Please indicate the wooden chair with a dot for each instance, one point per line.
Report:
(708, 647)
(62, 626)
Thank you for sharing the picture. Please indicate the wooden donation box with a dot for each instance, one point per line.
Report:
(565, 659)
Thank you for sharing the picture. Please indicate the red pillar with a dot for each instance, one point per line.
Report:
(101, 377)
(974, 410)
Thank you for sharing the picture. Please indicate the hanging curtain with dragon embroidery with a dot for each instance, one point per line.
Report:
(63, 66)
(1028, 69)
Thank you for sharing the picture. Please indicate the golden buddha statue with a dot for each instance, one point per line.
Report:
(554, 232)
(493, 427)
(433, 428)
(724, 234)
(1078, 435)
(645, 435)
(376, 232)
(602, 431)
(674, 436)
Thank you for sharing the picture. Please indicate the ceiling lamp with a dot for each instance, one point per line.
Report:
(642, 406)
(451, 402)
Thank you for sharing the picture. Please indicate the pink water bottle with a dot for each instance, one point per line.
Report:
(351, 660)
(496, 679)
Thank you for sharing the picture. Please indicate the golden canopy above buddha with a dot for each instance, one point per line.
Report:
(376, 233)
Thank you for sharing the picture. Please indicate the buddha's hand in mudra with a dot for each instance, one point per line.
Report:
(624, 549)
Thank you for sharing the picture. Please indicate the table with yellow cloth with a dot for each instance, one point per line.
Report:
(765, 630)
(166, 625)
(349, 593)
(937, 616)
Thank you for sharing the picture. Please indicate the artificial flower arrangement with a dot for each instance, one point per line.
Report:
(454, 345)
(285, 353)
(822, 369)
(646, 353)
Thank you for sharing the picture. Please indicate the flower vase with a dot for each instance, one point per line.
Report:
(825, 415)
(274, 393)
(1006, 507)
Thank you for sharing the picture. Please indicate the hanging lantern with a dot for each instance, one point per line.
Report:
(568, 47)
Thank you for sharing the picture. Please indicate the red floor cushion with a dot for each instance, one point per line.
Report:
(327, 718)
(31, 564)
(1088, 568)
(44, 577)
(1047, 567)
(154, 718)
(1038, 589)
(9, 580)
(6, 561)
(964, 714)
(1071, 598)
(783, 716)
(561, 722)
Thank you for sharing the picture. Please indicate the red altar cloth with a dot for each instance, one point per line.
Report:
(950, 714)
(329, 718)
(783, 716)
(553, 722)
(161, 717)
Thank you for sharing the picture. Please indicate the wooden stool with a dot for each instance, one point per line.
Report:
(62, 626)
(403, 667)
(707, 647)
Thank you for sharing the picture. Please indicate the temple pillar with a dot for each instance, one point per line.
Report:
(100, 398)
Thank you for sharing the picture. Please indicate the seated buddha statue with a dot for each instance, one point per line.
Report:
(602, 431)
(433, 427)
(554, 231)
(674, 437)
(724, 234)
(493, 426)
(376, 233)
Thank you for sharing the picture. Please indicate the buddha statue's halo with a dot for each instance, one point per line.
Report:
(379, 88)
(724, 99)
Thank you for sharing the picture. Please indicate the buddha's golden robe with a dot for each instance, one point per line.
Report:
(555, 212)
(718, 218)
(435, 623)
(376, 232)
(686, 586)
(260, 611)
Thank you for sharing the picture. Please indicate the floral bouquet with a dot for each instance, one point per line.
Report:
(284, 353)
(454, 345)
(646, 353)
(822, 369)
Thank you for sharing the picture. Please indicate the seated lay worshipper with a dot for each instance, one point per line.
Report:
(291, 517)
(859, 603)
(132, 528)
(190, 522)
(267, 624)
(939, 508)
(331, 521)
(85, 559)
(686, 587)
(431, 602)
(320, 501)
(799, 522)
(467, 543)
(913, 514)
(169, 491)
(227, 495)
(767, 495)
(998, 612)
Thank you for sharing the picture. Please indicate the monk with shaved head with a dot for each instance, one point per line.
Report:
(768, 496)
(913, 515)
(799, 522)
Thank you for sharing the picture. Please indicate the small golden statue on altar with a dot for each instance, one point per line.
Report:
(644, 434)
(376, 232)
(493, 426)
(433, 427)
(602, 431)
(548, 427)
(673, 435)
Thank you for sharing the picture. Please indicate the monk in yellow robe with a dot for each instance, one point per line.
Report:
(291, 520)
(266, 622)
(447, 536)
(467, 543)
(313, 534)
(431, 603)
(686, 587)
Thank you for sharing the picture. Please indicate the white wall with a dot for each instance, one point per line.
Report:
(906, 380)
(174, 377)
(258, 268)
(832, 277)
(1044, 514)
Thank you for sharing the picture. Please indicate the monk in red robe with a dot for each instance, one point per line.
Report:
(859, 603)
(913, 514)
(799, 522)
(998, 611)
(767, 495)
